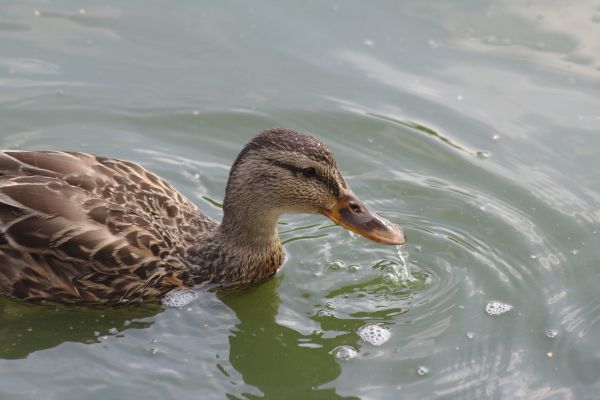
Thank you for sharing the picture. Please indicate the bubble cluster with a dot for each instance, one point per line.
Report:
(179, 298)
(495, 308)
(374, 334)
(344, 353)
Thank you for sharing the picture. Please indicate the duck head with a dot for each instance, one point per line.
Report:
(284, 171)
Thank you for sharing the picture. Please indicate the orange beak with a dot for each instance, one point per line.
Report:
(352, 214)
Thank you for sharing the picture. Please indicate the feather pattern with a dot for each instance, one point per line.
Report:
(79, 227)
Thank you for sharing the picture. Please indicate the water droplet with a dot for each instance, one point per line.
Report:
(30, 329)
(550, 354)
(330, 304)
(496, 137)
(113, 331)
(551, 333)
(496, 308)
(353, 268)
(470, 335)
(96, 333)
(402, 267)
(336, 265)
(483, 154)
(374, 334)
(533, 256)
(179, 298)
(324, 313)
(422, 371)
(344, 353)
(574, 252)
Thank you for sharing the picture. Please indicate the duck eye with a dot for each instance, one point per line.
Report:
(309, 172)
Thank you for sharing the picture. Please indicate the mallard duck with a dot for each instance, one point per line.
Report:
(78, 227)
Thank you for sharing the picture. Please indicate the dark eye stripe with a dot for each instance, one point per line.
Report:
(328, 182)
(289, 167)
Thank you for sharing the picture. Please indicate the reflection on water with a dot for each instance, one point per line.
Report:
(31, 327)
(268, 354)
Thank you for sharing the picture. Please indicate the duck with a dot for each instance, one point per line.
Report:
(77, 227)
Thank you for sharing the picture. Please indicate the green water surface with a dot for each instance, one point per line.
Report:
(474, 124)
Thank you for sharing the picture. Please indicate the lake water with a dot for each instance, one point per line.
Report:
(474, 124)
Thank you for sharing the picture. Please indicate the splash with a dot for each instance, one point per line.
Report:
(402, 267)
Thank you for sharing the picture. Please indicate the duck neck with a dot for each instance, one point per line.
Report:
(245, 248)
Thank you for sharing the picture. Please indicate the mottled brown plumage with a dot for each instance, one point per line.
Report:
(75, 227)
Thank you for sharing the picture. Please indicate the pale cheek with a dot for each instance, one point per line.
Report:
(331, 203)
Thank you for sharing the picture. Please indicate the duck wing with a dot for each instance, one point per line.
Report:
(78, 227)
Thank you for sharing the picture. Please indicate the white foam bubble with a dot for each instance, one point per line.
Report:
(374, 334)
(551, 333)
(495, 308)
(344, 353)
(179, 298)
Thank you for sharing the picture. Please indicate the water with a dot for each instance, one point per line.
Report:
(472, 124)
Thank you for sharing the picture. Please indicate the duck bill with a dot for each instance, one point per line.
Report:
(352, 214)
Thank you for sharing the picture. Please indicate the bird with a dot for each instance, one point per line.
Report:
(75, 227)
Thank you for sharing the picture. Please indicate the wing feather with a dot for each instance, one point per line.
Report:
(75, 226)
